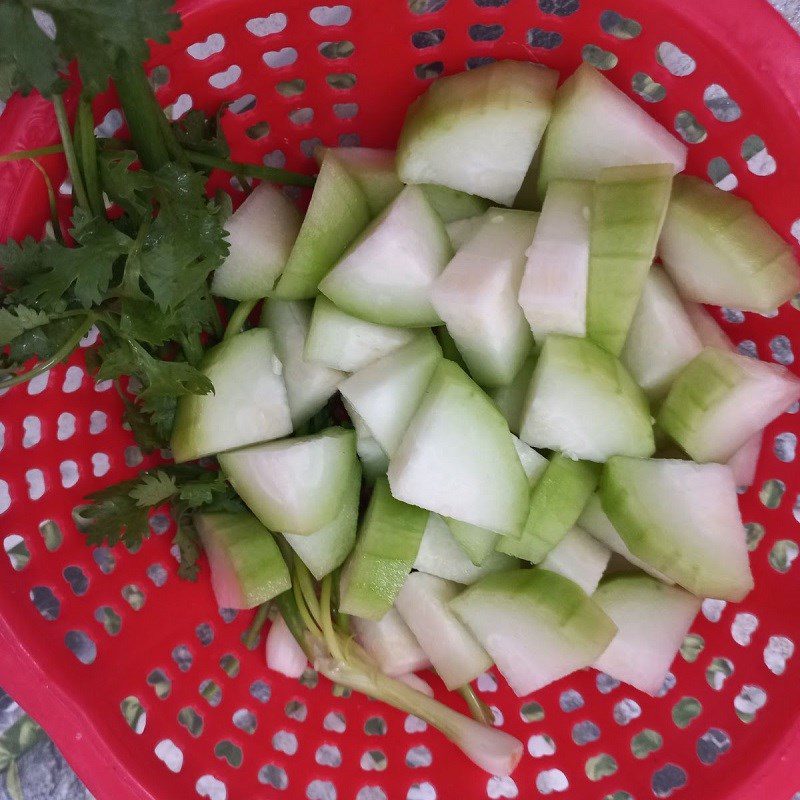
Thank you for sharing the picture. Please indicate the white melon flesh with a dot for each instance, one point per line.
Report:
(348, 343)
(595, 125)
(553, 289)
(661, 339)
(476, 296)
(327, 548)
(386, 275)
(536, 625)
(294, 485)
(582, 402)
(309, 385)
(478, 131)
(441, 554)
(461, 230)
(652, 620)
(391, 643)
(683, 519)
(744, 462)
(337, 213)
(511, 399)
(579, 557)
(594, 521)
(722, 399)
(249, 403)
(386, 393)
(706, 327)
(261, 233)
(457, 457)
(423, 603)
(718, 250)
(373, 170)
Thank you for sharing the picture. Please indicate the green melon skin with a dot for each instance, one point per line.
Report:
(718, 250)
(721, 399)
(627, 214)
(557, 499)
(452, 205)
(249, 403)
(338, 212)
(294, 485)
(536, 625)
(383, 555)
(247, 568)
(683, 519)
(478, 131)
(582, 402)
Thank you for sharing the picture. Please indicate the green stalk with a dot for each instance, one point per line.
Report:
(479, 710)
(303, 578)
(69, 152)
(271, 174)
(238, 318)
(252, 634)
(88, 150)
(36, 152)
(62, 353)
(136, 98)
(52, 201)
(327, 623)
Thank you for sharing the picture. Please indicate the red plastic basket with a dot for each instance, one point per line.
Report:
(144, 683)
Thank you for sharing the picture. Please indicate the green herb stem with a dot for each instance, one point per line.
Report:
(69, 152)
(271, 174)
(88, 151)
(479, 710)
(251, 635)
(238, 318)
(62, 353)
(36, 152)
(306, 582)
(52, 201)
(327, 623)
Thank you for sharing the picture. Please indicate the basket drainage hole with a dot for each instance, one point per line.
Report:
(427, 6)
(273, 775)
(104, 559)
(77, 580)
(345, 110)
(109, 619)
(16, 550)
(757, 157)
(720, 173)
(432, 69)
(674, 60)
(647, 88)
(621, 27)
(168, 752)
(245, 720)
(330, 15)
(200, 51)
(264, 26)
(134, 713)
(211, 692)
(51, 534)
(81, 646)
(721, 104)
(296, 710)
(597, 57)
(157, 574)
(545, 40)
(229, 665)
(182, 656)
(275, 59)
(261, 691)
(336, 50)
(486, 33)
(45, 602)
(211, 787)
(689, 128)
(226, 750)
(204, 633)
(134, 596)
(161, 684)
(341, 80)
(192, 720)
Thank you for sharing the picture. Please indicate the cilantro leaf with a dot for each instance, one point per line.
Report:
(130, 189)
(199, 132)
(154, 489)
(16, 321)
(189, 549)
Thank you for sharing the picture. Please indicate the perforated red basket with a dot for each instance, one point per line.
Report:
(144, 683)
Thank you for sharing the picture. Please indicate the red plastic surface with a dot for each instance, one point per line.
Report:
(742, 45)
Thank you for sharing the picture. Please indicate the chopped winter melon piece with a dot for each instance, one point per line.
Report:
(652, 620)
(718, 250)
(441, 554)
(294, 485)
(557, 499)
(553, 289)
(423, 603)
(347, 343)
(478, 131)
(706, 327)
(536, 625)
(385, 550)
(511, 399)
(458, 459)
(579, 557)
(661, 339)
(582, 402)
(461, 230)
(373, 457)
(721, 399)
(325, 549)
(372, 169)
(595, 522)
(595, 125)
(627, 215)
(452, 205)
(261, 233)
(247, 567)
(476, 296)
(338, 212)
(386, 275)
(249, 403)
(683, 519)
(309, 385)
(391, 643)
(744, 461)
(386, 393)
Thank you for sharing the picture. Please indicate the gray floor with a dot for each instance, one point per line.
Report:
(43, 773)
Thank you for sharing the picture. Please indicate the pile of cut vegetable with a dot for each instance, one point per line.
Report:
(463, 433)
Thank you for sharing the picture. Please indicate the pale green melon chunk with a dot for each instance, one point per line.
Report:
(391, 643)
(452, 205)
(579, 557)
